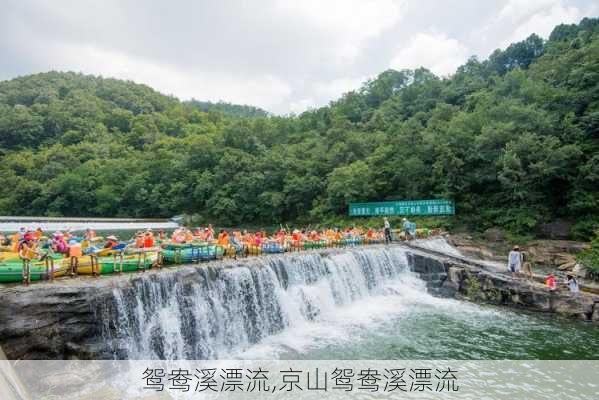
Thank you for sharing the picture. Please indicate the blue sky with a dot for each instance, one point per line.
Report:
(285, 56)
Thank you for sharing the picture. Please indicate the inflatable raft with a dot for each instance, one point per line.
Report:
(13, 271)
(112, 263)
(191, 253)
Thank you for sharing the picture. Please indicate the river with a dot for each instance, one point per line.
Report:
(361, 304)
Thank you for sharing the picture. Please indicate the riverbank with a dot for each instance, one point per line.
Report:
(179, 312)
(479, 282)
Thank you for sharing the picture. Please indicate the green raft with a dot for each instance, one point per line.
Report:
(192, 254)
(109, 265)
(13, 271)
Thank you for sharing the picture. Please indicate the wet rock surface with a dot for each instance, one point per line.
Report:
(453, 279)
(52, 321)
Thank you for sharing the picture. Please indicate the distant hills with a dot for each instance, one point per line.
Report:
(513, 140)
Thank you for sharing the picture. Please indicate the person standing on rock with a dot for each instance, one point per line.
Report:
(572, 283)
(527, 264)
(514, 260)
(387, 229)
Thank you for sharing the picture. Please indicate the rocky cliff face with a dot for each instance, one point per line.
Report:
(53, 321)
(448, 278)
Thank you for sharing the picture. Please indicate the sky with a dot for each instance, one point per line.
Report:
(285, 56)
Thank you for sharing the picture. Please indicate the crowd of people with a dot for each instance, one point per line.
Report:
(283, 237)
(35, 243)
(32, 244)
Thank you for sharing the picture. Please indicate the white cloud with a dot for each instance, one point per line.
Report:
(435, 51)
(360, 18)
(515, 10)
(346, 23)
(265, 91)
(283, 55)
(541, 19)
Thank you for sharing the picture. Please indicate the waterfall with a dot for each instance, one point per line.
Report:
(220, 308)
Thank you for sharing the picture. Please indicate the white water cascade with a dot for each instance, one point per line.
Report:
(219, 311)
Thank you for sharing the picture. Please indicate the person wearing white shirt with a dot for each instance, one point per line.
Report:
(514, 261)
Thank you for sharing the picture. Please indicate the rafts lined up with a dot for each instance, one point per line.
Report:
(49, 268)
(34, 257)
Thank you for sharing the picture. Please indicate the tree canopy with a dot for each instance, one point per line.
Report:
(513, 140)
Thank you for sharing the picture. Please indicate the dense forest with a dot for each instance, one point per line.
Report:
(235, 110)
(512, 139)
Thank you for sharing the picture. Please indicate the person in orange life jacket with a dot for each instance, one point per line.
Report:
(223, 238)
(296, 236)
(149, 238)
(75, 249)
(27, 249)
(38, 233)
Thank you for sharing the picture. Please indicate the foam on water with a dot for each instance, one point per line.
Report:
(361, 303)
(272, 307)
(225, 311)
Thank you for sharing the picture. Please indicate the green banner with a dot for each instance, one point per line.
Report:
(410, 207)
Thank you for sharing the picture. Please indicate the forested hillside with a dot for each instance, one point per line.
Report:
(512, 139)
(234, 110)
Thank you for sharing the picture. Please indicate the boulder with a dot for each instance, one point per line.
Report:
(559, 229)
(494, 235)
(567, 266)
(553, 253)
(455, 277)
(570, 305)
